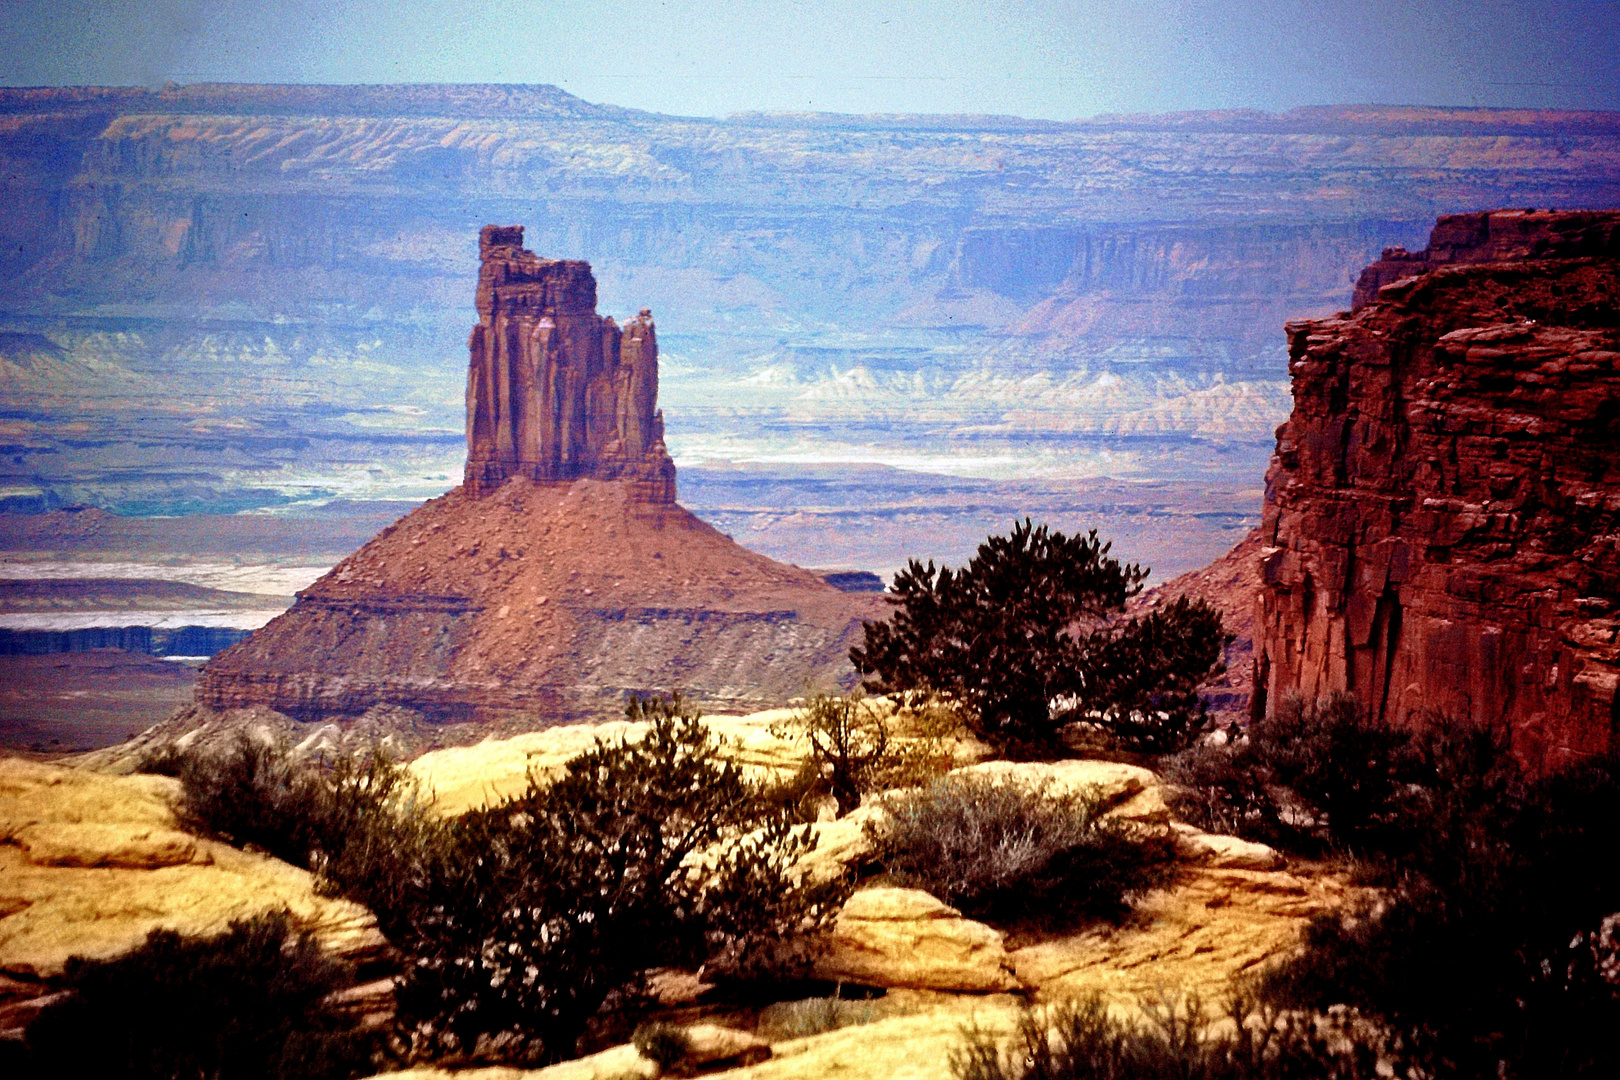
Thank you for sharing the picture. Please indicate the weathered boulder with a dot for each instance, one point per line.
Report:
(130, 847)
(1441, 511)
(902, 1047)
(908, 938)
(464, 777)
(713, 1046)
(914, 1047)
(1224, 852)
(1213, 925)
(89, 864)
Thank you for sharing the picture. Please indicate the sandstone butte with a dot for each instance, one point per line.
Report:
(561, 574)
(1441, 533)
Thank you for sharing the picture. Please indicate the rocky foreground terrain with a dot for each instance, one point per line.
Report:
(95, 861)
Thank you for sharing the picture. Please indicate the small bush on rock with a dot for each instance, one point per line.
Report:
(849, 744)
(667, 1044)
(656, 706)
(245, 1005)
(1014, 854)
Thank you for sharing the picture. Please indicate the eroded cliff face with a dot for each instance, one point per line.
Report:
(1443, 509)
(554, 391)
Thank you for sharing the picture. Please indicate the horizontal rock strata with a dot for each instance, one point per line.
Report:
(546, 602)
(91, 864)
(1442, 510)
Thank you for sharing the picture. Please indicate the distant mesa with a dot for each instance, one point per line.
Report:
(859, 581)
(561, 575)
(1441, 514)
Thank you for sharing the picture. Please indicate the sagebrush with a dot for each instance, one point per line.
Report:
(1011, 853)
(542, 909)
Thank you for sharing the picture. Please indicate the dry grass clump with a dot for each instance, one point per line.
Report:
(812, 1016)
(1016, 854)
(1081, 1040)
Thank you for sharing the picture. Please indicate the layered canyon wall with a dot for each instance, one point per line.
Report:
(234, 297)
(1442, 521)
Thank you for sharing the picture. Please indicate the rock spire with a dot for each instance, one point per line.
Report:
(555, 392)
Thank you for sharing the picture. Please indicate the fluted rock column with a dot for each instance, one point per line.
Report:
(555, 392)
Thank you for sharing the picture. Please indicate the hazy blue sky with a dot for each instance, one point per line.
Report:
(1060, 59)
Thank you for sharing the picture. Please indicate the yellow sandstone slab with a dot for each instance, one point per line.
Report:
(92, 863)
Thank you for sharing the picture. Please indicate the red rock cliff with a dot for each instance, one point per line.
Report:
(1443, 511)
(554, 391)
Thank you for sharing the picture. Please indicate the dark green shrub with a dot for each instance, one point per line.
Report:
(1494, 947)
(166, 760)
(1012, 854)
(1222, 787)
(256, 794)
(244, 1005)
(356, 821)
(542, 909)
(374, 841)
(673, 706)
(1346, 767)
(1080, 1040)
(1323, 772)
(1030, 636)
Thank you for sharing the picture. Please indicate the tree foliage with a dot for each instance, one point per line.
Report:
(640, 855)
(1031, 635)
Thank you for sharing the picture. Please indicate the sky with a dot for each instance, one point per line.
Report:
(1063, 59)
